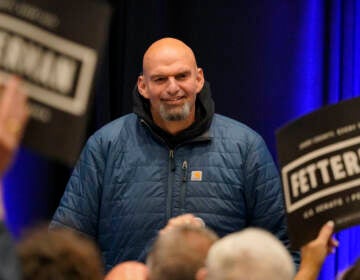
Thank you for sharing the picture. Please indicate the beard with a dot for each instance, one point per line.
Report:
(178, 113)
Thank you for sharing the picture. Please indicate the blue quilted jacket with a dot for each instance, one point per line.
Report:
(127, 184)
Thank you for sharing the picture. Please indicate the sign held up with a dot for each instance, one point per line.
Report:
(55, 47)
(319, 156)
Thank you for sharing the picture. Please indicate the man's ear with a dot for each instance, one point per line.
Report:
(201, 274)
(200, 79)
(142, 86)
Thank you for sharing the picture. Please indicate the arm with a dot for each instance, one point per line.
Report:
(264, 194)
(78, 209)
(314, 253)
(13, 117)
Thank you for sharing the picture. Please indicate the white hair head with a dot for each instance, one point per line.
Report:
(251, 254)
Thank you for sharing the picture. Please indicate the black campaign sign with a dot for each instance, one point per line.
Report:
(319, 155)
(54, 46)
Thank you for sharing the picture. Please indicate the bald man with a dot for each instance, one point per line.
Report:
(172, 156)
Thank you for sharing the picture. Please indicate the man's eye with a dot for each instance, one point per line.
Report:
(182, 76)
(159, 80)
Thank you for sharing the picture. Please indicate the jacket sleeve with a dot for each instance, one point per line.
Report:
(79, 205)
(264, 194)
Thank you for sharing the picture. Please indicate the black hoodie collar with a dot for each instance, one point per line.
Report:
(203, 116)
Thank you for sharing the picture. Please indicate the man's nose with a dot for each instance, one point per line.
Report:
(173, 86)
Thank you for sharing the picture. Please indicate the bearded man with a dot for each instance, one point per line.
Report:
(172, 156)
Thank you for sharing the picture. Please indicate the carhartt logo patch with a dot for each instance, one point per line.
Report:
(196, 175)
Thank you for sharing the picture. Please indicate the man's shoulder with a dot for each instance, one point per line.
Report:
(113, 132)
(119, 122)
(113, 128)
(231, 128)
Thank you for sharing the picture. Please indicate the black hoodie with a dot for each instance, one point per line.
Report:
(203, 117)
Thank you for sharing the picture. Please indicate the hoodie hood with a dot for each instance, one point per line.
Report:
(203, 116)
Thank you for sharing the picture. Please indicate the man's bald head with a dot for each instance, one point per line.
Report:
(165, 49)
(171, 81)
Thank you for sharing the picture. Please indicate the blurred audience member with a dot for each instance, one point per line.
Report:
(249, 254)
(179, 251)
(13, 117)
(130, 270)
(44, 255)
(59, 254)
(254, 254)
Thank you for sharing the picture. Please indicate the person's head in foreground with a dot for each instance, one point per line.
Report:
(59, 255)
(251, 254)
(130, 270)
(179, 253)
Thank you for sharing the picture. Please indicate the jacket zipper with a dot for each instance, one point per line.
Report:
(170, 184)
(184, 168)
(171, 177)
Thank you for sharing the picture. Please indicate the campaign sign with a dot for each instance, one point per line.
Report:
(55, 47)
(319, 156)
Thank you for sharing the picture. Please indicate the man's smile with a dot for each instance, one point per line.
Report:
(173, 100)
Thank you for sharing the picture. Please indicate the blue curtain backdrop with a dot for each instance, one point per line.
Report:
(328, 57)
(268, 62)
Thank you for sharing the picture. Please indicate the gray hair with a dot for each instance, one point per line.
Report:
(179, 253)
(251, 254)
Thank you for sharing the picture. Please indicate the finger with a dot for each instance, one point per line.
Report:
(326, 231)
(333, 242)
(332, 245)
